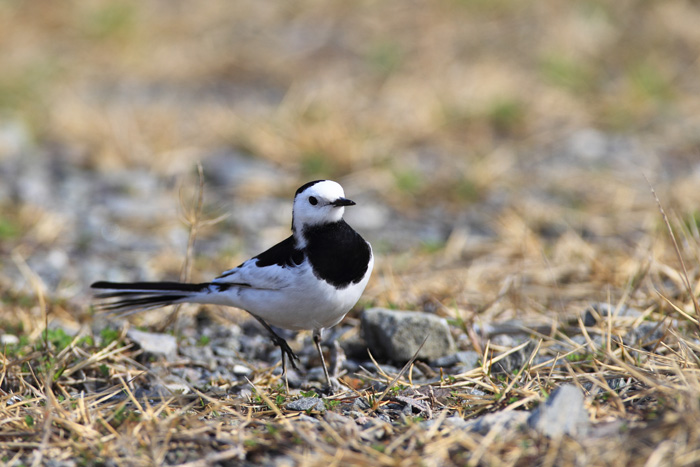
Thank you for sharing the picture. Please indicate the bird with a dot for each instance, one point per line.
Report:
(308, 281)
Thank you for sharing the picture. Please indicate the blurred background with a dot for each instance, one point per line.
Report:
(497, 149)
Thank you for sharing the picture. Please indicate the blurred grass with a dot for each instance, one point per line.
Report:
(435, 108)
(502, 69)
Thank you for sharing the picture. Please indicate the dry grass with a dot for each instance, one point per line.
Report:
(77, 398)
(457, 108)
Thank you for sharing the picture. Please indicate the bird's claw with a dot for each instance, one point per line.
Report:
(287, 350)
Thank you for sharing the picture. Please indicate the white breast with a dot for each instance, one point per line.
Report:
(303, 302)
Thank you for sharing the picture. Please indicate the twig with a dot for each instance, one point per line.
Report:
(398, 376)
(686, 280)
(192, 218)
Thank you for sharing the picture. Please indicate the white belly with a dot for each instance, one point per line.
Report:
(305, 303)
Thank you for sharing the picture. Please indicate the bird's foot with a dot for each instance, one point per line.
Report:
(286, 350)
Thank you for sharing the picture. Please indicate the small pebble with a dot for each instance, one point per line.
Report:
(9, 339)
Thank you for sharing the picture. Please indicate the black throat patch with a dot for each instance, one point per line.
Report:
(338, 254)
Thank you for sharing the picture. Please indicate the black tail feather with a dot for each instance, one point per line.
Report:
(139, 303)
(151, 286)
(135, 296)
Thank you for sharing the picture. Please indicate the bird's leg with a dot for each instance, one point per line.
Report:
(284, 348)
(317, 342)
(284, 371)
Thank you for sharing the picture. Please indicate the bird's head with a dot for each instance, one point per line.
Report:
(319, 202)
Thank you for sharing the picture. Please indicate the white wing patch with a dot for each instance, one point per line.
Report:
(249, 275)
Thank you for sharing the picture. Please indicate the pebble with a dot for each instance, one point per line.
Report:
(241, 370)
(360, 404)
(503, 420)
(14, 400)
(515, 360)
(201, 355)
(602, 310)
(171, 385)
(563, 414)
(648, 334)
(154, 343)
(307, 403)
(9, 339)
(467, 358)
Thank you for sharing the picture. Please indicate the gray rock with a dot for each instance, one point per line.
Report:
(225, 352)
(193, 375)
(598, 341)
(360, 404)
(154, 343)
(616, 384)
(648, 334)
(397, 335)
(517, 328)
(467, 358)
(307, 419)
(514, 361)
(504, 420)
(562, 414)
(171, 385)
(603, 310)
(307, 403)
(455, 421)
(200, 355)
(611, 429)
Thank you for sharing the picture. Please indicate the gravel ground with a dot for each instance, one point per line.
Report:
(501, 155)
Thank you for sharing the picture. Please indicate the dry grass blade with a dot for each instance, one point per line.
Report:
(686, 280)
(523, 368)
(271, 404)
(400, 373)
(192, 218)
(679, 310)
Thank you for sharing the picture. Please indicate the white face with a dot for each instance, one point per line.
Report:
(320, 203)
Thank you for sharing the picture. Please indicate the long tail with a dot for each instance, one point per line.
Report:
(136, 296)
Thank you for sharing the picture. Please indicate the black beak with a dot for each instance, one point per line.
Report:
(343, 202)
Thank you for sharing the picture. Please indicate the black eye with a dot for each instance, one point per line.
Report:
(313, 200)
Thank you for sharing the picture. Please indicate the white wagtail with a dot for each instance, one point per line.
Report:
(308, 281)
